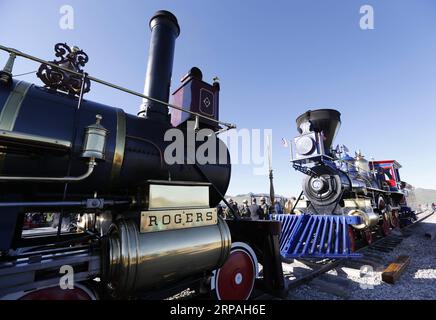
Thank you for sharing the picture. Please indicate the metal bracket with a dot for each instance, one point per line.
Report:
(304, 170)
(94, 203)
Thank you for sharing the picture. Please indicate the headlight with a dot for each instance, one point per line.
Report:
(305, 145)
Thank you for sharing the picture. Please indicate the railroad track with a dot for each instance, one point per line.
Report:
(316, 274)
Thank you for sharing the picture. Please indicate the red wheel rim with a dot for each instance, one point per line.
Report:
(381, 204)
(385, 226)
(368, 236)
(352, 239)
(235, 279)
(395, 220)
(56, 293)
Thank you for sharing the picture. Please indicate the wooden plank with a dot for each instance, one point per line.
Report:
(395, 269)
(330, 287)
(358, 264)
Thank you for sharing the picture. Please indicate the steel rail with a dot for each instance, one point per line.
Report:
(334, 263)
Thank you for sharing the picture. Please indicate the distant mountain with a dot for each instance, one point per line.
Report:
(241, 197)
(424, 196)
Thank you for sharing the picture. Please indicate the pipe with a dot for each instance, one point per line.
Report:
(6, 73)
(164, 31)
(114, 86)
(60, 203)
(134, 261)
(91, 166)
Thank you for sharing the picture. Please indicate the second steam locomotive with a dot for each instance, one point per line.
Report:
(347, 198)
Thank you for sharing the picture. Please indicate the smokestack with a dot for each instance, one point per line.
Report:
(164, 31)
(326, 120)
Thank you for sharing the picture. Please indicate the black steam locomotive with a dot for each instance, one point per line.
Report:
(86, 186)
(346, 198)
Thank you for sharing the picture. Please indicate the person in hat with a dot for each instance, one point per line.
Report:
(289, 205)
(229, 212)
(264, 207)
(245, 210)
(220, 210)
(256, 211)
(278, 207)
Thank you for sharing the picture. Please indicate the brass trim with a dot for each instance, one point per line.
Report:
(120, 143)
(178, 183)
(12, 106)
(25, 137)
(91, 166)
(155, 221)
(177, 196)
(357, 203)
(10, 111)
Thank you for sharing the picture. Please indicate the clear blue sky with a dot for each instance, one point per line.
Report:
(275, 60)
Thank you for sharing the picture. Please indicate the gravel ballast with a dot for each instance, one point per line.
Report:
(417, 282)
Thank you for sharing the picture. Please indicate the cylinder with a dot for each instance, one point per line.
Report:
(164, 31)
(368, 218)
(95, 140)
(134, 261)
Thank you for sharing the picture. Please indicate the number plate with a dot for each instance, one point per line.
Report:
(153, 221)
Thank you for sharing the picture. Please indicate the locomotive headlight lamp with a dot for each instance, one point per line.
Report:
(305, 145)
(95, 140)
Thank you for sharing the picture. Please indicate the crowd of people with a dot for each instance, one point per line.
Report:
(254, 210)
(426, 206)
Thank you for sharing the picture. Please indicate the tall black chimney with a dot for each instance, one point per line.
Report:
(164, 31)
(326, 120)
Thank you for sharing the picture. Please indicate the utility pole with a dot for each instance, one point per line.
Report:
(271, 185)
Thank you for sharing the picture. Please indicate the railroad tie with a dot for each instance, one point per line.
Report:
(393, 272)
(328, 283)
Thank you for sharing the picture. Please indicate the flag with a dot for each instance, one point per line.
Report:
(285, 142)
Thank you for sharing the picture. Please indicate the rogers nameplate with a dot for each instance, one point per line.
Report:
(153, 221)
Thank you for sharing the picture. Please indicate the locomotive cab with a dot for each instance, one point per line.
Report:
(388, 173)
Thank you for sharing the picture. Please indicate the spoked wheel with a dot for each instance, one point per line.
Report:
(79, 292)
(386, 228)
(381, 204)
(395, 219)
(367, 235)
(352, 237)
(235, 279)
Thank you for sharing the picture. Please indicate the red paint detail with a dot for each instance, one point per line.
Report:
(395, 220)
(239, 261)
(56, 293)
(352, 237)
(368, 236)
(386, 226)
(191, 95)
(395, 163)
